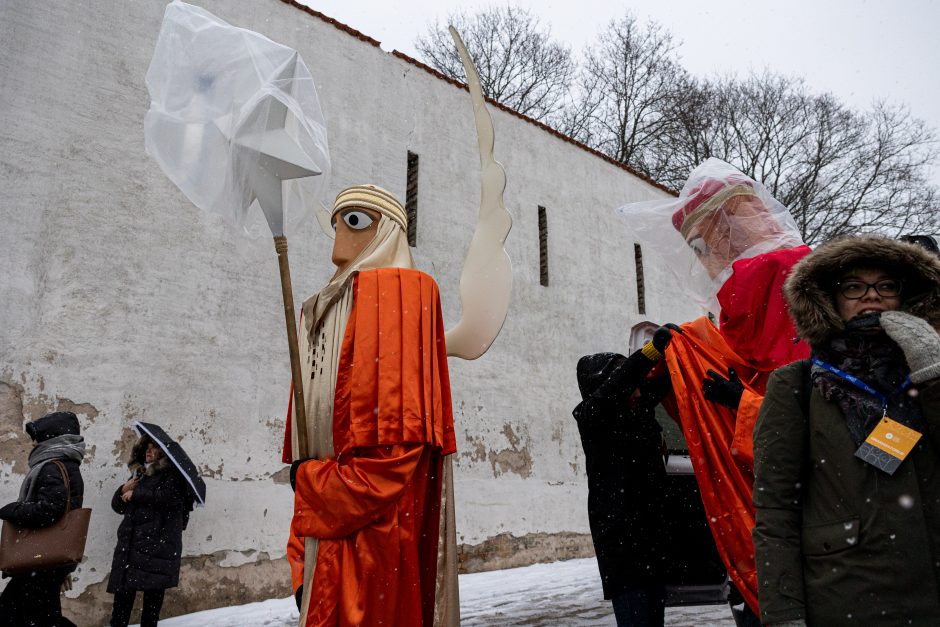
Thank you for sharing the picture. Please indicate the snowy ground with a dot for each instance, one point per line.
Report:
(562, 593)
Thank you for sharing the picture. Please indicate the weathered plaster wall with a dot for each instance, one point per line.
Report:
(121, 301)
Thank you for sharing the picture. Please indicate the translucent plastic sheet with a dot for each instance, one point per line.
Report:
(720, 216)
(232, 115)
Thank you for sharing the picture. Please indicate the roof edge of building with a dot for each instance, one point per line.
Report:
(447, 79)
(349, 30)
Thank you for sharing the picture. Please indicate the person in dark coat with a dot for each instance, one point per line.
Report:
(623, 450)
(847, 534)
(32, 599)
(155, 503)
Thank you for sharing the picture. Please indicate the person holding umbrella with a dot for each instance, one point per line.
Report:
(155, 502)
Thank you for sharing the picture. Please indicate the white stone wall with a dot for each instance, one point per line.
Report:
(121, 300)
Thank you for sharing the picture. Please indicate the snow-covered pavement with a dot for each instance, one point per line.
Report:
(562, 593)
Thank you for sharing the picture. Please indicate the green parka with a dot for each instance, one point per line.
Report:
(838, 542)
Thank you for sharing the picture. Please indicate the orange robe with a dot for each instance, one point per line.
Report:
(376, 505)
(719, 444)
(756, 337)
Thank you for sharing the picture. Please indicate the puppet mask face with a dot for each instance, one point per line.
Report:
(721, 237)
(355, 227)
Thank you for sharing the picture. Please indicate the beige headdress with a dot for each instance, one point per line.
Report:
(388, 248)
(371, 197)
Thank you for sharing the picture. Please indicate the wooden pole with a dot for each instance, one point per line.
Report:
(300, 409)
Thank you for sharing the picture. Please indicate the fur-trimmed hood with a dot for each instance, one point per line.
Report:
(809, 287)
(138, 458)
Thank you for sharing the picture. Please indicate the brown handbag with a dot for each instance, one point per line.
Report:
(60, 544)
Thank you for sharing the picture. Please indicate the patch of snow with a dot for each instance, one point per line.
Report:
(561, 593)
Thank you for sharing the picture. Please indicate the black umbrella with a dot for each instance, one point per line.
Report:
(177, 455)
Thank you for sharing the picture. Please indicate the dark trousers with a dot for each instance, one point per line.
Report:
(641, 607)
(32, 600)
(124, 603)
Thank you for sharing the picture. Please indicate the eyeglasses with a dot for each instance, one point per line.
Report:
(853, 290)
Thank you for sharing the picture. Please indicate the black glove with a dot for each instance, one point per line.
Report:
(653, 350)
(299, 595)
(293, 472)
(663, 335)
(723, 391)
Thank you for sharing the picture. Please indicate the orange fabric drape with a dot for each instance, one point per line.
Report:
(376, 505)
(720, 443)
(392, 385)
(377, 516)
(756, 336)
(295, 558)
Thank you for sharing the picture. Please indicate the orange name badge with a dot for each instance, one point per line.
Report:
(888, 445)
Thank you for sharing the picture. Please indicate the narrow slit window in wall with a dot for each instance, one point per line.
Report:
(640, 286)
(411, 199)
(543, 247)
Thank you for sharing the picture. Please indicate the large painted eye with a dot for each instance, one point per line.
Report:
(357, 220)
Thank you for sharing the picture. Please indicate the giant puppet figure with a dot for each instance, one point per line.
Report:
(372, 540)
(235, 122)
(731, 245)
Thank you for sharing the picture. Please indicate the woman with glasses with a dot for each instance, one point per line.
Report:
(847, 444)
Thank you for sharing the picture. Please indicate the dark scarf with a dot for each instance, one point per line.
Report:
(63, 447)
(875, 359)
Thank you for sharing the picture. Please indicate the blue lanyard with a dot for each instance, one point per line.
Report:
(861, 384)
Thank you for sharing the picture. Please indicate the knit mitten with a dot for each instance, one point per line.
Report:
(919, 341)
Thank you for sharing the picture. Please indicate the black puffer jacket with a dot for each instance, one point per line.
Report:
(150, 538)
(49, 503)
(623, 452)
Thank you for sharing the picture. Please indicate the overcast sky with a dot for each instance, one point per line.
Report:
(859, 50)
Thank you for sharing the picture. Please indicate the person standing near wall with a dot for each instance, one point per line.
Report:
(33, 599)
(623, 452)
(155, 503)
(847, 446)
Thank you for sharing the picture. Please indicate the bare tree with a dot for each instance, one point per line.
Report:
(693, 134)
(625, 90)
(837, 170)
(519, 64)
(868, 174)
